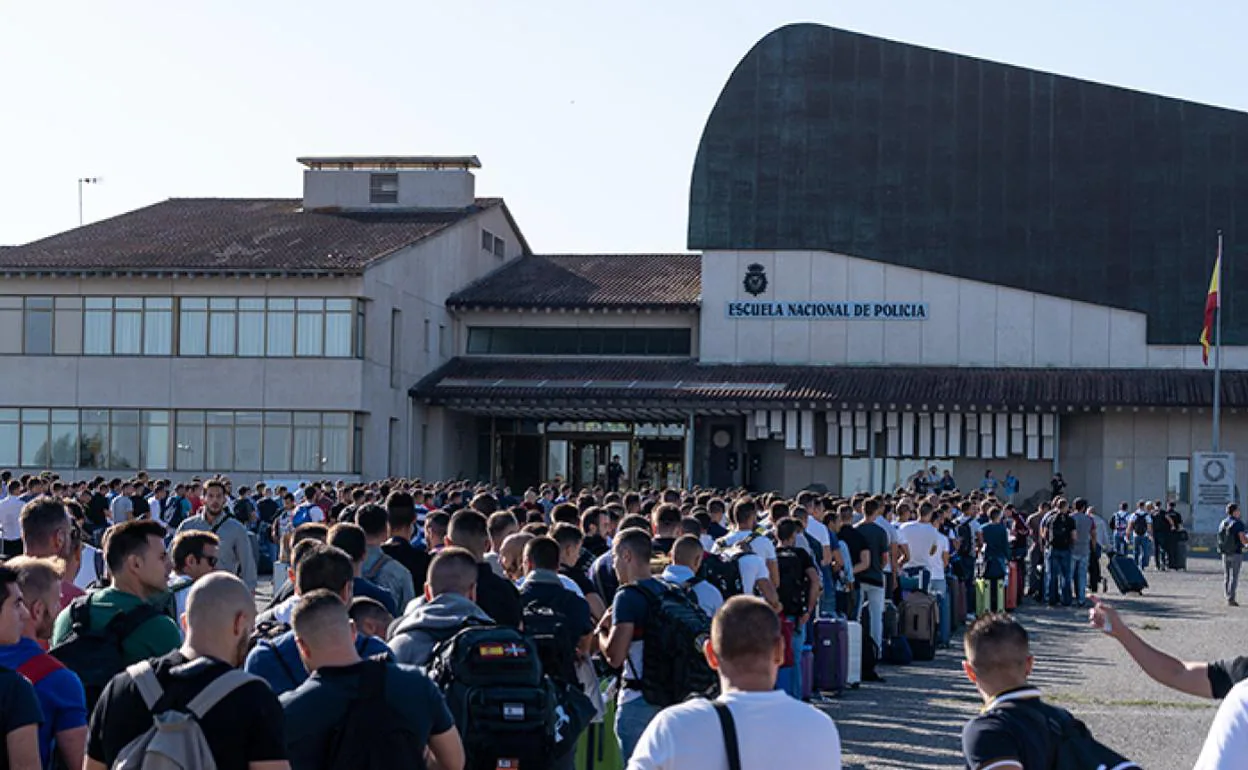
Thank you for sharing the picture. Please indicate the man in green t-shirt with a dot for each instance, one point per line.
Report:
(139, 565)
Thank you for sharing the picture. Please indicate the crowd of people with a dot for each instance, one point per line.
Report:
(453, 625)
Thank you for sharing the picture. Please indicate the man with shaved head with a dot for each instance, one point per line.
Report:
(746, 648)
(449, 603)
(245, 728)
(341, 681)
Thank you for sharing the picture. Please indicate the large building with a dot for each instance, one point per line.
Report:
(901, 258)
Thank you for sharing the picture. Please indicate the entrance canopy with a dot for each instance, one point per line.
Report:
(667, 389)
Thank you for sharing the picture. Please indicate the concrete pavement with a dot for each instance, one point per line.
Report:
(914, 720)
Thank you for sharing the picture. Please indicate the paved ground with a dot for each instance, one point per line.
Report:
(914, 720)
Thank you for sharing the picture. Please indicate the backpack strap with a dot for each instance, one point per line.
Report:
(126, 623)
(220, 522)
(216, 690)
(375, 570)
(148, 685)
(39, 667)
(729, 728)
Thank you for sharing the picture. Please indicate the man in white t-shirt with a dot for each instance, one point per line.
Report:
(926, 547)
(746, 648)
(1227, 741)
(755, 555)
(686, 560)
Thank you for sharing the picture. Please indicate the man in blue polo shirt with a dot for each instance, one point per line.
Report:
(64, 703)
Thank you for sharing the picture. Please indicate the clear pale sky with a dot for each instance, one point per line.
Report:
(586, 115)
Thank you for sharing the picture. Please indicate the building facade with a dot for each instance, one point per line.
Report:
(900, 258)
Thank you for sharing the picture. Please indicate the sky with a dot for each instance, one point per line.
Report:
(586, 115)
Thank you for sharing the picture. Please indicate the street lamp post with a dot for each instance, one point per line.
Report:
(81, 181)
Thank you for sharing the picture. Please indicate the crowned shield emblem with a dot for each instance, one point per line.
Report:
(755, 279)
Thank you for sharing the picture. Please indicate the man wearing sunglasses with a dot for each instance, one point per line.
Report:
(194, 555)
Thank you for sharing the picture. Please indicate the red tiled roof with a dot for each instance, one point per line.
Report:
(233, 234)
(670, 281)
(689, 382)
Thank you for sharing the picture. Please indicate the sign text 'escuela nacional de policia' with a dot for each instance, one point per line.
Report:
(830, 311)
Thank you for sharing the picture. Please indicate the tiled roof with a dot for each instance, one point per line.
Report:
(688, 382)
(672, 281)
(233, 234)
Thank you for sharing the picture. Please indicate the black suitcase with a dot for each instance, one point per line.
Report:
(1126, 574)
(1178, 556)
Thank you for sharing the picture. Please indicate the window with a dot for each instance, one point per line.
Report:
(383, 188)
(248, 430)
(1178, 479)
(10, 437)
(487, 241)
(442, 345)
(128, 327)
(309, 327)
(157, 330)
(484, 340)
(64, 438)
(35, 433)
(37, 326)
(500, 248)
(124, 439)
(154, 440)
(392, 464)
(193, 326)
(336, 439)
(251, 328)
(93, 438)
(338, 340)
(277, 441)
(189, 449)
(426, 340)
(396, 326)
(359, 328)
(307, 445)
(222, 326)
(97, 330)
(281, 328)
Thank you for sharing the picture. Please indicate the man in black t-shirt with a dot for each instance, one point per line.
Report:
(245, 729)
(543, 590)
(401, 514)
(324, 702)
(496, 596)
(570, 541)
(860, 560)
(20, 712)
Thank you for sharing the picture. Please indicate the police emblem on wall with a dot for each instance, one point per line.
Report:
(755, 279)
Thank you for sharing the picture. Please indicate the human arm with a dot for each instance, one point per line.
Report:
(1185, 676)
(767, 590)
(72, 744)
(93, 764)
(246, 559)
(613, 640)
(276, 764)
(22, 745)
(812, 594)
(446, 751)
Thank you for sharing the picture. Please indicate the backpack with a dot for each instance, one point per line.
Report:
(1071, 745)
(551, 631)
(794, 588)
(373, 735)
(1060, 531)
(673, 662)
(1226, 540)
(302, 515)
(179, 513)
(897, 651)
(243, 509)
(1140, 525)
(729, 566)
(96, 655)
(503, 705)
(175, 741)
(966, 539)
(724, 574)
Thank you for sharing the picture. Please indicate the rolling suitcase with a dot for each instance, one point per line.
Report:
(1012, 582)
(1126, 574)
(989, 596)
(890, 620)
(831, 654)
(957, 602)
(920, 617)
(1178, 556)
(807, 664)
(853, 641)
(598, 748)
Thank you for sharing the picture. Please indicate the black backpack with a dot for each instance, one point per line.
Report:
(96, 655)
(1071, 745)
(724, 574)
(556, 642)
(1140, 525)
(966, 539)
(674, 665)
(373, 735)
(1226, 540)
(503, 705)
(794, 588)
(1060, 531)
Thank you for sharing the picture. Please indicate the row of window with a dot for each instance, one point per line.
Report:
(277, 327)
(189, 440)
(487, 340)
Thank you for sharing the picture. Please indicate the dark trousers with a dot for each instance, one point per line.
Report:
(1094, 569)
(1164, 541)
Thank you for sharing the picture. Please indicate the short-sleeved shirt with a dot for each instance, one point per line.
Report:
(578, 576)
(996, 541)
(61, 698)
(927, 547)
(1236, 528)
(1225, 674)
(877, 543)
(632, 606)
(19, 706)
(856, 544)
(995, 735)
(320, 704)
(246, 726)
(573, 608)
(156, 637)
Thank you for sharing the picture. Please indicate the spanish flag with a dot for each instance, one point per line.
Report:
(1211, 306)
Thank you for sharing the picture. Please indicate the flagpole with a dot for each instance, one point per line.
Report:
(1217, 356)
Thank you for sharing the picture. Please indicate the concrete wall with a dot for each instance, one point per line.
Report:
(971, 323)
(424, 188)
(417, 281)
